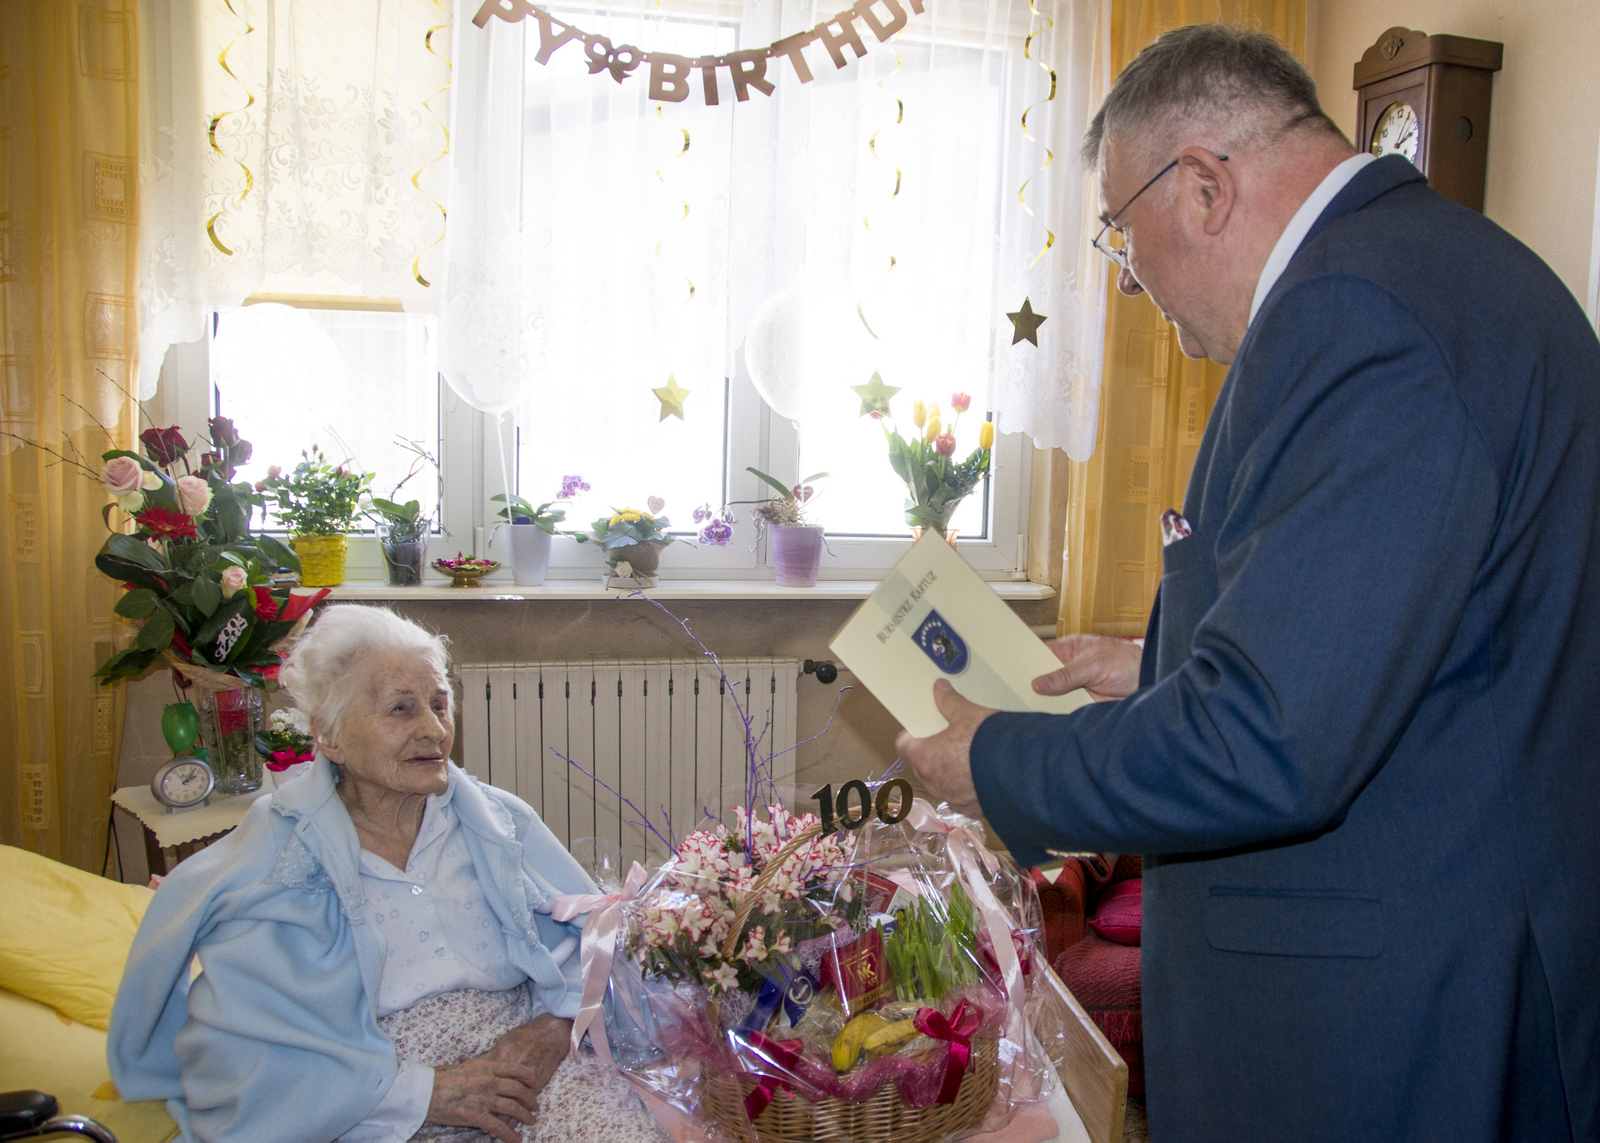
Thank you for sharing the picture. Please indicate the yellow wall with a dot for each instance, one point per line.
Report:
(1545, 119)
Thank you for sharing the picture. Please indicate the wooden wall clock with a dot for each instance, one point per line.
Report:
(1427, 98)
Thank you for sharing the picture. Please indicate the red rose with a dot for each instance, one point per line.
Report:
(266, 606)
(166, 524)
(164, 446)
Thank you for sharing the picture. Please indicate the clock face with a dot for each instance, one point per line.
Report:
(1396, 133)
(184, 782)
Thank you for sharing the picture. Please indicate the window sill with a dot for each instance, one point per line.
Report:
(1012, 591)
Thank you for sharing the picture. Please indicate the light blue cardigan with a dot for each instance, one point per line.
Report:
(277, 1038)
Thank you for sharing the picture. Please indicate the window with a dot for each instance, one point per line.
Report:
(651, 237)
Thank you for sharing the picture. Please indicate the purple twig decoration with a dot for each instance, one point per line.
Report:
(644, 818)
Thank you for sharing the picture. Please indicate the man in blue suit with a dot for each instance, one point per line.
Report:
(1359, 752)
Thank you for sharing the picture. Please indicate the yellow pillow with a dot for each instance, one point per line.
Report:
(65, 934)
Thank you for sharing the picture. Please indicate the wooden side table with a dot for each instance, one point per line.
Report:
(169, 838)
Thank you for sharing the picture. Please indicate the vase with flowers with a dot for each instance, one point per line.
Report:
(532, 528)
(201, 586)
(631, 540)
(936, 482)
(318, 503)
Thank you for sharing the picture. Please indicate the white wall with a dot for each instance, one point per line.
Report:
(1544, 129)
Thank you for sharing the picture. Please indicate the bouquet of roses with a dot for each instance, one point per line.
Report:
(202, 583)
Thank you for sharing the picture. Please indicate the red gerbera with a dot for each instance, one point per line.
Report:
(166, 523)
(266, 606)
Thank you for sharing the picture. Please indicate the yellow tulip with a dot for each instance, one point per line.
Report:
(919, 413)
(986, 435)
(934, 428)
(933, 410)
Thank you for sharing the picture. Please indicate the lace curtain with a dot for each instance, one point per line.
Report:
(288, 148)
(595, 235)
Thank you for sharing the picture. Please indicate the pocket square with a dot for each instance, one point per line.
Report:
(1173, 527)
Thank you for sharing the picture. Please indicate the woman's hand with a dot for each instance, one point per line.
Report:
(540, 1045)
(486, 1093)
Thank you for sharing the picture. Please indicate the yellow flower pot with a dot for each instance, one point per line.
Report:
(321, 559)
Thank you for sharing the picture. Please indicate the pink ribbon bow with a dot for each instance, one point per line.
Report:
(283, 759)
(781, 1055)
(598, 948)
(956, 1029)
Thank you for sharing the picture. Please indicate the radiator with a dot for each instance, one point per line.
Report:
(664, 734)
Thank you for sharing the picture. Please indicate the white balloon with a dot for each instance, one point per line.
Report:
(803, 344)
(278, 349)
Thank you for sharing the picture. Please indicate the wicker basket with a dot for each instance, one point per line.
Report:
(881, 1116)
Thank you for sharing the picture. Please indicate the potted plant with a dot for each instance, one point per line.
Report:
(532, 528)
(935, 480)
(796, 544)
(631, 540)
(318, 503)
(402, 529)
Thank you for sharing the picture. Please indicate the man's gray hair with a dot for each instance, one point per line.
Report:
(322, 672)
(1245, 86)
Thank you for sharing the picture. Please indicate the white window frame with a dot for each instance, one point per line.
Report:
(469, 461)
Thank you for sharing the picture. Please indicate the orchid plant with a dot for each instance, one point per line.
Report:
(545, 516)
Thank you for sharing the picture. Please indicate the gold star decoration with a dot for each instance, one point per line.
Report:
(874, 395)
(1026, 323)
(672, 396)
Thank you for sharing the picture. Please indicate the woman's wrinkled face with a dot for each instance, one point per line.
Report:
(398, 731)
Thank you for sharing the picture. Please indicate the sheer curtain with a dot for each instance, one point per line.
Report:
(291, 147)
(599, 242)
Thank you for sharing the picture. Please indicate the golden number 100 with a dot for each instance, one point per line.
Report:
(835, 811)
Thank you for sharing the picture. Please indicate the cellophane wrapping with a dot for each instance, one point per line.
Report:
(879, 955)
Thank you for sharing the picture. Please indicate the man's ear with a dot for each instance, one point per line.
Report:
(1207, 178)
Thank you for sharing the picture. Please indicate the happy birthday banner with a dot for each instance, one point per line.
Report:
(669, 74)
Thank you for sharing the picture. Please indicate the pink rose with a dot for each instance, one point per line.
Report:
(232, 580)
(122, 475)
(194, 494)
(274, 471)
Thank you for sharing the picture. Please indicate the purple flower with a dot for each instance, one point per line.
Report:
(716, 534)
(703, 513)
(571, 486)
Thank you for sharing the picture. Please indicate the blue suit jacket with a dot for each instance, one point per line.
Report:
(1362, 759)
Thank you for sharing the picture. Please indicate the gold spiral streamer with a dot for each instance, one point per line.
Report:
(662, 177)
(216, 120)
(1049, 155)
(899, 177)
(427, 42)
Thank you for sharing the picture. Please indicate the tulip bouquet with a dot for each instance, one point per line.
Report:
(936, 481)
(194, 574)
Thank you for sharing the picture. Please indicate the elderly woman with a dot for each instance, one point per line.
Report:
(377, 956)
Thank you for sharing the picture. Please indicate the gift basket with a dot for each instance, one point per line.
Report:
(848, 976)
(860, 973)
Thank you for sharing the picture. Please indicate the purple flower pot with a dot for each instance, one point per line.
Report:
(796, 554)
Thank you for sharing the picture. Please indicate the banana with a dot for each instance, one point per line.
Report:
(848, 1045)
(886, 1039)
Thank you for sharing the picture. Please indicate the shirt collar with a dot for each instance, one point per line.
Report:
(1300, 225)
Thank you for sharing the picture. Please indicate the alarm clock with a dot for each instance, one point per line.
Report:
(183, 784)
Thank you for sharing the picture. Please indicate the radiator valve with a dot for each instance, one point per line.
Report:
(824, 669)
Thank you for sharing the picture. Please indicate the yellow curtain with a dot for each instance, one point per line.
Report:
(1153, 400)
(68, 324)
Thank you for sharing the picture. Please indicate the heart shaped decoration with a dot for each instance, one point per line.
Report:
(805, 493)
(656, 504)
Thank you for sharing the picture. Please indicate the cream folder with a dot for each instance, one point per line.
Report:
(934, 618)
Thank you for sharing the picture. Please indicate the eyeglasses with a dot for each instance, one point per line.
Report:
(1119, 254)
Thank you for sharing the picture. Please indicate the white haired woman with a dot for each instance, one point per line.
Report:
(378, 960)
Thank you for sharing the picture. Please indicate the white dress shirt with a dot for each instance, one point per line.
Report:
(440, 936)
(1300, 225)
